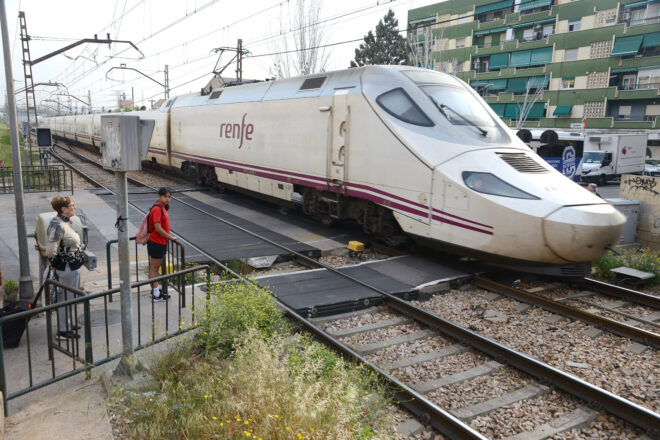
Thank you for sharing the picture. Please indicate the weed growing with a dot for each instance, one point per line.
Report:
(647, 260)
(245, 376)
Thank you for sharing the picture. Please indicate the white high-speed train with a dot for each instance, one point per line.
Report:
(403, 151)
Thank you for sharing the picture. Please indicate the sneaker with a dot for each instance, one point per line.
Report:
(161, 297)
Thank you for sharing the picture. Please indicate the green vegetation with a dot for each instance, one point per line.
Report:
(647, 260)
(11, 288)
(261, 382)
(5, 146)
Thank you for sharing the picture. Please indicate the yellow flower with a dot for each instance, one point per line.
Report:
(247, 423)
(299, 435)
(222, 424)
(215, 418)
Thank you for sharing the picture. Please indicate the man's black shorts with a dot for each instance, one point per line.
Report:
(156, 250)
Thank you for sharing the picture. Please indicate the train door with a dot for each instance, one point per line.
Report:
(338, 142)
(167, 108)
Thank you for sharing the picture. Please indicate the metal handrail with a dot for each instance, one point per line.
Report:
(85, 363)
(176, 256)
(38, 178)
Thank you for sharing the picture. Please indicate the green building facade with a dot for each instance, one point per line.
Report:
(559, 62)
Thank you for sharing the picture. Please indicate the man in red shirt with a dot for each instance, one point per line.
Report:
(159, 224)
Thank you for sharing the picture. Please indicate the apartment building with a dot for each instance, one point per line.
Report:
(550, 63)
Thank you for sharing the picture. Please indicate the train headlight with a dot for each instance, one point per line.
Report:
(487, 183)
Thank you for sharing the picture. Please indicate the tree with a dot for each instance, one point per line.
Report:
(306, 39)
(530, 100)
(386, 47)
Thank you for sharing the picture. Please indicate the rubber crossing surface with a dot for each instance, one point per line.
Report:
(221, 241)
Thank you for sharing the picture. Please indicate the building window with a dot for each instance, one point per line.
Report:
(594, 109)
(488, 40)
(628, 82)
(568, 82)
(528, 34)
(460, 43)
(571, 55)
(548, 30)
(637, 16)
(624, 112)
(601, 49)
(574, 25)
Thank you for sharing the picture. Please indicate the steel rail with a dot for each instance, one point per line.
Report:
(611, 325)
(616, 405)
(630, 295)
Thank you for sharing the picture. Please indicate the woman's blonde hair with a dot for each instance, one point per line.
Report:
(60, 202)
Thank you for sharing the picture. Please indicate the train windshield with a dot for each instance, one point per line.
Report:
(452, 99)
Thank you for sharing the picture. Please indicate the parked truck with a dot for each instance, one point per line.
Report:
(609, 155)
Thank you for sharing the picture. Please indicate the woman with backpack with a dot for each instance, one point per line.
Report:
(159, 226)
(64, 252)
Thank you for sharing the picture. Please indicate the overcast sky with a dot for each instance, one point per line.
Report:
(179, 33)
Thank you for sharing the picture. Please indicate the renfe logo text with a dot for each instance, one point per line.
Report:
(237, 131)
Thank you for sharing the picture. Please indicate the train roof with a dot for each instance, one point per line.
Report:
(309, 86)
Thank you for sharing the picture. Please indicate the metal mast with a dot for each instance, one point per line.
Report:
(30, 100)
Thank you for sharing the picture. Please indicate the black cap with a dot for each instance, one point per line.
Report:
(163, 191)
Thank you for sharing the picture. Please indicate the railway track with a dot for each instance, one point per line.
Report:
(86, 164)
(571, 306)
(537, 378)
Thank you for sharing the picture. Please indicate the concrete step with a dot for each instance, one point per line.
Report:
(470, 412)
(579, 418)
(419, 359)
(480, 370)
(409, 428)
(365, 328)
(380, 345)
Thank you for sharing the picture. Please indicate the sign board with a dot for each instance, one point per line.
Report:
(26, 128)
(576, 124)
(568, 164)
(44, 156)
(124, 141)
(44, 138)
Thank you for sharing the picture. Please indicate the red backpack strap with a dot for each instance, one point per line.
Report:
(149, 215)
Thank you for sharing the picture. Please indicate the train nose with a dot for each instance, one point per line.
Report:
(580, 234)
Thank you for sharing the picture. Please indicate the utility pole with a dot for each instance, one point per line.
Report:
(29, 79)
(167, 82)
(89, 99)
(239, 61)
(26, 289)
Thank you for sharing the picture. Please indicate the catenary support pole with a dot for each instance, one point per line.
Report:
(26, 289)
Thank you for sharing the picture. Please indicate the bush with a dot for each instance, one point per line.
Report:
(234, 308)
(258, 392)
(647, 260)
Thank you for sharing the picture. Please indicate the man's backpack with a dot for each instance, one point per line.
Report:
(142, 236)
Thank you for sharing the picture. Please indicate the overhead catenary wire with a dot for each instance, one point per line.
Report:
(261, 39)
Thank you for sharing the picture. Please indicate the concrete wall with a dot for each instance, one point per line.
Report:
(647, 190)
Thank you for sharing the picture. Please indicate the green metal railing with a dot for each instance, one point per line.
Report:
(71, 347)
(38, 178)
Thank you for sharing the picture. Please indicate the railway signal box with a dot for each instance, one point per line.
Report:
(124, 141)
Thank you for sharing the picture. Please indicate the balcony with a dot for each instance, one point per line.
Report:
(631, 19)
(646, 86)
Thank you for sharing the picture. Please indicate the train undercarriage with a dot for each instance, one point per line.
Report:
(326, 207)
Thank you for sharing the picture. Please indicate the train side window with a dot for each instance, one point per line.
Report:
(313, 83)
(397, 103)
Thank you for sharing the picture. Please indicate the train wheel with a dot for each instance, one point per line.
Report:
(602, 180)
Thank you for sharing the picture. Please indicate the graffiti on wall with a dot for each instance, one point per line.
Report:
(641, 183)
